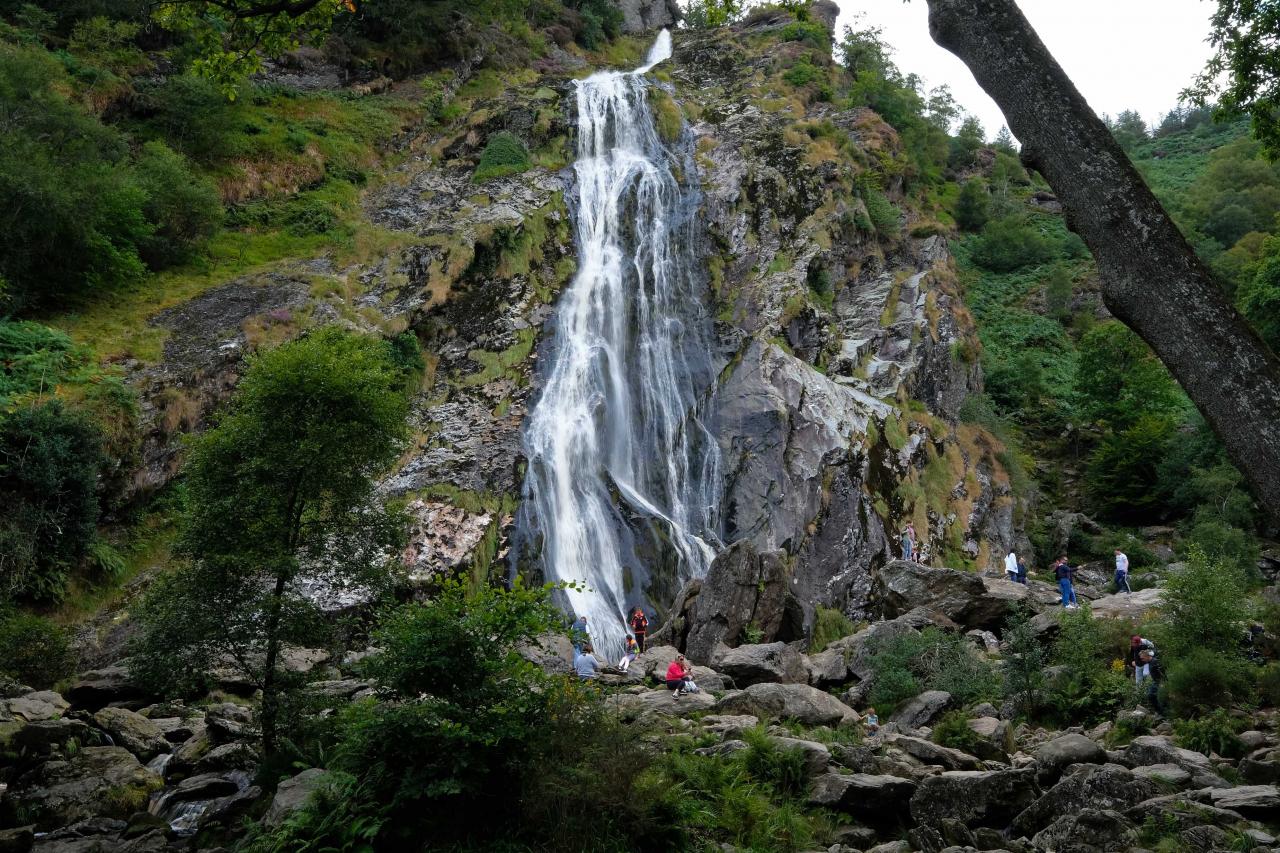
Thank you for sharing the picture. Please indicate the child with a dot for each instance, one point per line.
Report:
(871, 721)
(630, 654)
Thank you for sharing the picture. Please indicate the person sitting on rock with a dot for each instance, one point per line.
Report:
(631, 653)
(586, 665)
(679, 677)
(639, 624)
(871, 721)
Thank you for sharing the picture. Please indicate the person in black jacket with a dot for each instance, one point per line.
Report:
(1155, 675)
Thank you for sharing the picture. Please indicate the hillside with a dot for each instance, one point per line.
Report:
(333, 393)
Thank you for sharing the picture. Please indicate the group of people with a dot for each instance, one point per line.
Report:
(1065, 575)
(586, 665)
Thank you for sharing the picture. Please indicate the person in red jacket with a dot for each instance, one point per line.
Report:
(639, 626)
(679, 677)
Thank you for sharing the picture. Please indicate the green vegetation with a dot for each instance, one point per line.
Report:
(504, 154)
(280, 485)
(953, 731)
(1091, 687)
(829, 625)
(907, 665)
(33, 651)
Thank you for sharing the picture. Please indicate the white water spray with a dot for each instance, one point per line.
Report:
(622, 471)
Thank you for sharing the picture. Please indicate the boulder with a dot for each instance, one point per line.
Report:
(101, 687)
(1105, 787)
(1260, 772)
(654, 662)
(965, 598)
(800, 702)
(642, 16)
(1090, 831)
(928, 752)
(635, 706)
(133, 731)
(729, 725)
(301, 661)
(723, 749)
(1131, 607)
(1261, 802)
(850, 657)
(922, 710)
(995, 738)
(764, 662)
(743, 588)
(1053, 756)
(292, 795)
(52, 736)
(1157, 749)
(975, 798)
(229, 756)
(816, 756)
(228, 721)
(37, 706)
(552, 652)
(872, 798)
(18, 840)
(1166, 774)
(94, 781)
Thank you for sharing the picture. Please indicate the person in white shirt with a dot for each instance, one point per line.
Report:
(1122, 571)
(1011, 566)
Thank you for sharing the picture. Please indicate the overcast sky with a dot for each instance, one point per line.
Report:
(1122, 54)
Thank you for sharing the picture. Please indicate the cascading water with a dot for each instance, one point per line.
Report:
(616, 444)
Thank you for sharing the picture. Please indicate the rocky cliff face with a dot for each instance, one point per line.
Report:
(843, 347)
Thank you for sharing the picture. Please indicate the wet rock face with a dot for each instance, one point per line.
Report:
(641, 16)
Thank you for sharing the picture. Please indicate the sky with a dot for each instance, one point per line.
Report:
(1121, 54)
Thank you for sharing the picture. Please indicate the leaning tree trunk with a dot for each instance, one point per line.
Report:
(1151, 278)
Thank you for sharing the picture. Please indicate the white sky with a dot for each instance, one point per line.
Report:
(1121, 54)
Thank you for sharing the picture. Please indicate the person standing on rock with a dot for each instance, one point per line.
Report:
(1062, 573)
(1155, 674)
(1011, 566)
(909, 543)
(579, 634)
(639, 624)
(679, 677)
(630, 654)
(1122, 572)
(1022, 572)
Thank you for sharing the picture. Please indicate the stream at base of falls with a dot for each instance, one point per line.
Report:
(623, 487)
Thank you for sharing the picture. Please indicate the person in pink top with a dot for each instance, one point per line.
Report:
(678, 677)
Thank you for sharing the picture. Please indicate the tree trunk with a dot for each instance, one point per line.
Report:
(1151, 278)
(270, 683)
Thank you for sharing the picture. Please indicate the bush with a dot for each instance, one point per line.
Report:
(1011, 243)
(1126, 728)
(504, 154)
(184, 209)
(768, 763)
(1269, 685)
(973, 207)
(811, 33)
(906, 666)
(1214, 733)
(953, 731)
(34, 651)
(1204, 680)
(50, 458)
(829, 625)
(1092, 686)
(1023, 665)
(1124, 472)
(1205, 608)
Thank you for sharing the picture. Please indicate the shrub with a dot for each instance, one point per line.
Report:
(1204, 680)
(1213, 733)
(973, 206)
(504, 154)
(804, 72)
(953, 731)
(907, 665)
(885, 218)
(1011, 243)
(34, 651)
(1023, 666)
(811, 33)
(184, 209)
(1205, 606)
(1092, 686)
(1128, 727)
(1124, 471)
(768, 763)
(50, 458)
(829, 625)
(1269, 684)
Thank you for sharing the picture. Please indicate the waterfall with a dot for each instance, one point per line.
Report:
(618, 452)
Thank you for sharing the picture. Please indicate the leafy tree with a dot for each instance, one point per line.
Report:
(1057, 294)
(1245, 55)
(973, 207)
(184, 210)
(966, 144)
(1259, 297)
(1023, 664)
(1205, 607)
(1120, 380)
(1123, 473)
(50, 458)
(33, 650)
(941, 109)
(1004, 143)
(281, 486)
(231, 36)
(1129, 129)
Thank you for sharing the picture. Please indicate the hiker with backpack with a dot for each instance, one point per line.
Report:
(1138, 645)
(639, 624)
(679, 677)
(1154, 672)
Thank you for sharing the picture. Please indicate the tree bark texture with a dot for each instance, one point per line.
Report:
(1151, 278)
